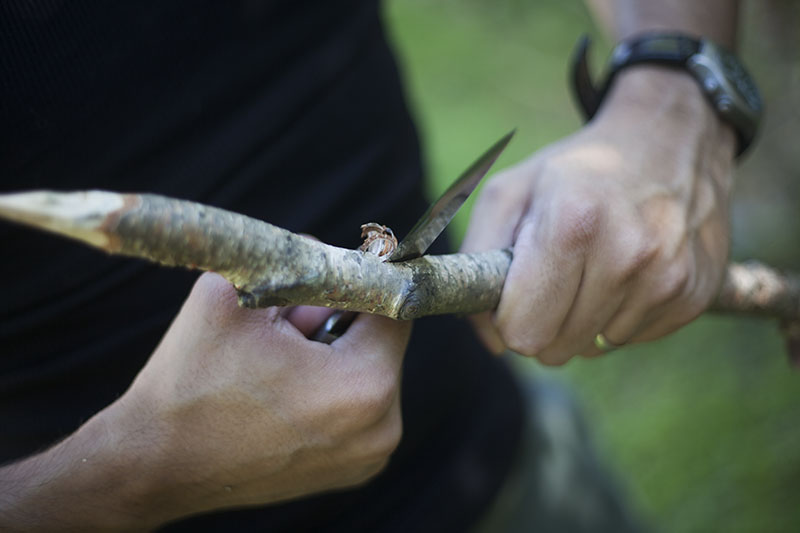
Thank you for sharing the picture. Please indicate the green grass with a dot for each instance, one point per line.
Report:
(703, 427)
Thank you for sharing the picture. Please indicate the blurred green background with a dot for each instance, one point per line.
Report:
(702, 427)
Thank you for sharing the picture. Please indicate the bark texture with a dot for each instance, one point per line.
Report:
(271, 266)
(756, 289)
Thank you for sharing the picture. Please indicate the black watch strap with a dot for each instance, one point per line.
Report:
(671, 49)
(668, 51)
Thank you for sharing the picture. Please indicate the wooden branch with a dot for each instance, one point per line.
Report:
(267, 265)
(755, 289)
(271, 266)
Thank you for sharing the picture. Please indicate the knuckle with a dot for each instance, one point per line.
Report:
(212, 289)
(370, 449)
(518, 345)
(384, 439)
(519, 341)
(579, 223)
(381, 395)
(638, 258)
(552, 359)
(392, 436)
(368, 401)
(214, 300)
(697, 303)
(673, 284)
(494, 192)
(683, 315)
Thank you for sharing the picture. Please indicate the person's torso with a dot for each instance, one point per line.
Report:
(291, 112)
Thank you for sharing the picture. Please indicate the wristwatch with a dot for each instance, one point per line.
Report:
(723, 79)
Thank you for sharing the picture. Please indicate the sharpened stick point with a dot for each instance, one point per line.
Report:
(79, 215)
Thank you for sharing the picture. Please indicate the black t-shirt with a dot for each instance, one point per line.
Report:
(288, 111)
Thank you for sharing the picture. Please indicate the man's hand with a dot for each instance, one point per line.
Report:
(235, 407)
(620, 229)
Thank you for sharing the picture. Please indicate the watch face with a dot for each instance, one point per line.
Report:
(739, 78)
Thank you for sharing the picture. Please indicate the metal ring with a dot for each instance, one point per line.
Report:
(603, 344)
(334, 327)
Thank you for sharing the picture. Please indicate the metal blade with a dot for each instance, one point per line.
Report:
(442, 211)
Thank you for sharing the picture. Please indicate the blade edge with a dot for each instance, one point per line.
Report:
(439, 214)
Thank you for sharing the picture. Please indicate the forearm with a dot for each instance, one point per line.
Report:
(91, 481)
(714, 19)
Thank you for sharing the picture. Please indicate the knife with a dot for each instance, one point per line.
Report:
(426, 230)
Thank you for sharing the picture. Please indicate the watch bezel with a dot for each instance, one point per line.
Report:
(723, 80)
(728, 87)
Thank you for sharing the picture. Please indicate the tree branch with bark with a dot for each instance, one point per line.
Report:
(272, 266)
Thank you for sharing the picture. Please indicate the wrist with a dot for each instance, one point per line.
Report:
(79, 484)
(151, 487)
(110, 475)
(671, 109)
(719, 75)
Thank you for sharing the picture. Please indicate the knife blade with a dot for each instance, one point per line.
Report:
(429, 226)
(441, 212)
